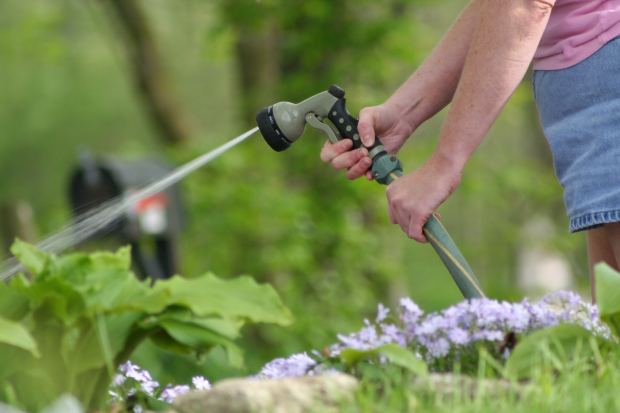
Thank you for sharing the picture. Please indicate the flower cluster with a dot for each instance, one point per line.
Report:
(133, 382)
(433, 336)
(293, 366)
(479, 320)
(456, 329)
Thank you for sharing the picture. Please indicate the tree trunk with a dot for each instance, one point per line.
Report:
(259, 68)
(16, 221)
(149, 74)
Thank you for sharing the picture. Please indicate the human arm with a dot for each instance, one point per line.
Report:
(428, 90)
(502, 47)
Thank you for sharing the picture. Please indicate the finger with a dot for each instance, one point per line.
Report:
(391, 214)
(359, 168)
(414, 230)
(369, 175)
(366, 126)
(348, 159)
(331, 150)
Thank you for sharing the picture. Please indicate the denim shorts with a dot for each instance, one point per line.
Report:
(580, 112)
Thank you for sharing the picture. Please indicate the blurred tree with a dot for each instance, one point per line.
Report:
(150, 76)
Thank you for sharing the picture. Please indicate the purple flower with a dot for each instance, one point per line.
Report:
(453, 330)
(132, 371)
(170, 393)
(382, 313)
(410, 313)
(149, 387)
(392, 334)
(118, 380)
(201, 383)
(438, 348)
(293, 366)
(458, 336)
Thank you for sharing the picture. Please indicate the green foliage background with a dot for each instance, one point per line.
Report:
(323, 242)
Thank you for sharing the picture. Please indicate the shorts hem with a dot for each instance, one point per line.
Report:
(593, 220)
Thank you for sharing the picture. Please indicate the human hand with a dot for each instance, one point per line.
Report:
(381, 120)
(413, 198)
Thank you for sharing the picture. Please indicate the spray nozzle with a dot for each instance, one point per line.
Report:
(283, 123)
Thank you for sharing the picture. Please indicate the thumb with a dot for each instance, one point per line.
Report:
(366, 126)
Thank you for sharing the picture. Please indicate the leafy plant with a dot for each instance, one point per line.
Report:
(560, 344)
(67, 327)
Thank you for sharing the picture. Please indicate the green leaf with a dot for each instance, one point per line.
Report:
(16, 335)
(29, 256)
(535, 349)
(66, 294)
(200, 338)
(227, 328)
(395, 354)
(87, 353)
(13, 304)
(403, 357)
(241, 298)
(608, 295)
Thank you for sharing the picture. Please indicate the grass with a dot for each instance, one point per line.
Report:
(578, 384)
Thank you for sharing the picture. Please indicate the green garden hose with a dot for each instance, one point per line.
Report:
(449, 253)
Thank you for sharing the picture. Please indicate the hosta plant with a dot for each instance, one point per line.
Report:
(68, 322)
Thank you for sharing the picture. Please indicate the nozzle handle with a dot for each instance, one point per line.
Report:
(383, 164)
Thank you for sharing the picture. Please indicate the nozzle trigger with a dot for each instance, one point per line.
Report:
(313, 120)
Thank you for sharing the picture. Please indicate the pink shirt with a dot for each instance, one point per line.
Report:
(577, 29)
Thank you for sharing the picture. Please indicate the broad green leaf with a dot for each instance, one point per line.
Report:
(13, 360)
(394, 353)
(13, 304)
(86, 352)
(352, 356)
(121, 259)
(29, 256)
(166, 342)
(56, 298)
(607, 289)
(16, 335)
(227, 328)
(608, 295)
(65, 295)
(201, 338)
(241, 297)
(532, 351)
(403, 357)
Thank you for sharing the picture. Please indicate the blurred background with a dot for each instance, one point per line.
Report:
(137, 79)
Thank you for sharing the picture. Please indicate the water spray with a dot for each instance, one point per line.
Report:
(86, 225)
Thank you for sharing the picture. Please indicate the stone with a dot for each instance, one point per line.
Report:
(290, 395)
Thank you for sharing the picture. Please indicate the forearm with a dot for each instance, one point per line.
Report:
(500, 53)
(431, 87)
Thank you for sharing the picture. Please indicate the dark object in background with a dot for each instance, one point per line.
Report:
(151, 226)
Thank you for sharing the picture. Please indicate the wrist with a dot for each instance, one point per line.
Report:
(449, 164)
(408, 107)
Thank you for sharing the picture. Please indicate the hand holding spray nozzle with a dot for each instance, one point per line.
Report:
(283, 123)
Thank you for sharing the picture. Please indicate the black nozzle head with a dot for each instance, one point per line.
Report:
(270, 130)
